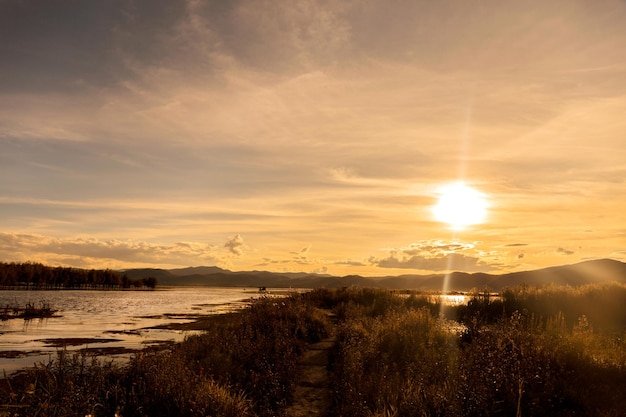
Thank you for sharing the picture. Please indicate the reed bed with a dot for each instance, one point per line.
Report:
(517, 355)
(28, 312)
(526, 353)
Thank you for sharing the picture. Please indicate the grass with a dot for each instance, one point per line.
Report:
(244, 365)
(28, 312)
(382, 364)
(518, 356)
(528, 353)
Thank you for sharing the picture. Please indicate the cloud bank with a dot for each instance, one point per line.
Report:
(114, 253)
(435, 256)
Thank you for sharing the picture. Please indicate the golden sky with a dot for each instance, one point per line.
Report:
(311, 136)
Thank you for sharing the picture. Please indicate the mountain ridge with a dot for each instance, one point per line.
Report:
(585, 272)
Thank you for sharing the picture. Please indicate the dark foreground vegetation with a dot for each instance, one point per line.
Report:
(28, 312)
(532, 352)
(36, 276)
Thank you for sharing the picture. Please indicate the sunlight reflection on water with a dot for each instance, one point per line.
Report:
(453, 299)
(119, 319)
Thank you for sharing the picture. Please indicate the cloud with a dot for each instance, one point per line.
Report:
(350, 262)
(302, 252)
(435, 247)
(244, 112)
(301, 257)
(449, 262)
(50, 46)
(564, 251)
(235, 245)
(321, 270)
(52, 43)
(295, 260)
(271, 35)
(74, 251)
(434, 256)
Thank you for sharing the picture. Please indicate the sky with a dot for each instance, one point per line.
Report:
(311, 135)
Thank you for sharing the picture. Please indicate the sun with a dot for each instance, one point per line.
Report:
(460, 206)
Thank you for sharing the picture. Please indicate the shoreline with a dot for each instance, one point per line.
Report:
(200, 323)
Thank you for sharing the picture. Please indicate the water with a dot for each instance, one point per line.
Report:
(448, 300)
(106, 319)
(452, 299)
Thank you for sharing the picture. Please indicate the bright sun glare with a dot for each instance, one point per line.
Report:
(460, 206)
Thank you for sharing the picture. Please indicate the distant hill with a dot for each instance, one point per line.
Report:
(587, 272)
(161, 275)
(574, 275)
(196, 270)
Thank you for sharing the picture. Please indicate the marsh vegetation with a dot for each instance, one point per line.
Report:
(531, 352)
(27, 312)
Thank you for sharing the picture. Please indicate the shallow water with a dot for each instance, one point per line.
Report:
(116, 319)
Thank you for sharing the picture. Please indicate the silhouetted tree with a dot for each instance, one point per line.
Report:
(39, 276)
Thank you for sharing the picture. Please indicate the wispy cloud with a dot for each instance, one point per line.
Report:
(564, 251)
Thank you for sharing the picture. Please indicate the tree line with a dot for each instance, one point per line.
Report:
(30, 275)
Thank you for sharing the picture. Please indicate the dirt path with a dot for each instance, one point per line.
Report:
(312, 396)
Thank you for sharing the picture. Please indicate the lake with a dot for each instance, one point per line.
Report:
(106, 320)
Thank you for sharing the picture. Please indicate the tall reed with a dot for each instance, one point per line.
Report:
(517, 355)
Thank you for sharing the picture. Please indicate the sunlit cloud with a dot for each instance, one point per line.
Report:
(235, 245)
(29, 247)
(453, 261)
(436, 256)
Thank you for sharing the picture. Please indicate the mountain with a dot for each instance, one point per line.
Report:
(197, 270)
(161, 275)
(587, 272)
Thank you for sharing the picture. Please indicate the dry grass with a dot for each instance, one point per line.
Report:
(527, 360)
(529, 353)
(242, 366)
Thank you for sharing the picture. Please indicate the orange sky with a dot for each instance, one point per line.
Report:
(311, 135)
